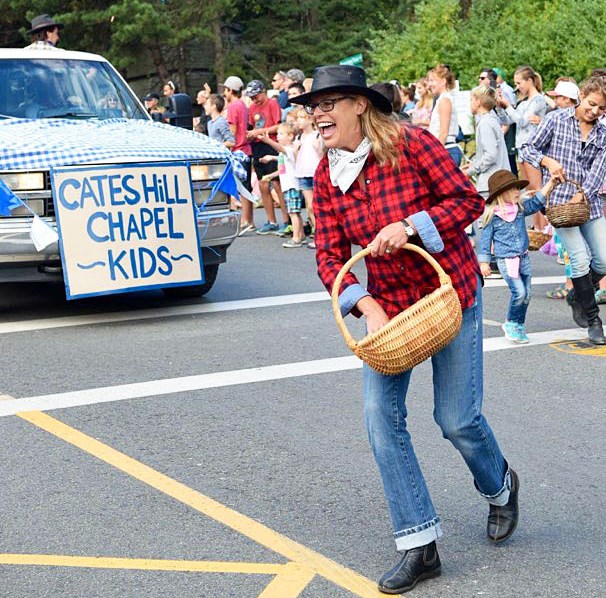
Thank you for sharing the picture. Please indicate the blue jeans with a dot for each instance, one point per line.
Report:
(456, 153)
(586, 246)
(457, 383)
(520, 289)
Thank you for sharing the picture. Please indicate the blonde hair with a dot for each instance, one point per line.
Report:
(487, 96)
(288, 128)
(384, 134)
(442, 71)
(426, 99)
(527, 73)
(594, 85)
(499, 201)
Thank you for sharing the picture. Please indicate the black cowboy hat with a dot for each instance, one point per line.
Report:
(346, 78)
(43, 22)
(501, 181)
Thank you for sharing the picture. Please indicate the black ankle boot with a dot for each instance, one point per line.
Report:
(415, 565)
(502, 521)
(585, 298)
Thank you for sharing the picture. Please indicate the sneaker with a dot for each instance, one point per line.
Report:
(247, 227)
(284, 231)
(511, 331)
(311, 245)
(559, 292)
(291, 243)
(268, 228)
(522, 336)
(600, 296)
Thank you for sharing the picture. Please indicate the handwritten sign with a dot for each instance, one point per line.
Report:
(126, 227)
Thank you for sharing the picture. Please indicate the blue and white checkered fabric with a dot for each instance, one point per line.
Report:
(27, 144)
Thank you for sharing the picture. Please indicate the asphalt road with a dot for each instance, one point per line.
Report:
(216, 448)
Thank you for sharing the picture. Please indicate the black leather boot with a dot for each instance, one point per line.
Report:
(585, 297)
(502, 521)
(578, 315)
(415, 565)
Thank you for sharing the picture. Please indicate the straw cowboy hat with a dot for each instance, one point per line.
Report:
(501, 181)
(345, 78)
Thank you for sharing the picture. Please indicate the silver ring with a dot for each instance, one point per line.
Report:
(388, 250)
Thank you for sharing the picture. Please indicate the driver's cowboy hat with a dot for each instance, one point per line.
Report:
(43, 22)
(344, 78)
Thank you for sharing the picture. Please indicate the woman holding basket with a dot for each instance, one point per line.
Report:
(384, 184)
(571, 144)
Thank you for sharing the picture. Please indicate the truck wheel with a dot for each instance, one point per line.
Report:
(195, 290)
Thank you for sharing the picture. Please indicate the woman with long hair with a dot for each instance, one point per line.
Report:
(443, 123)
(421, 115)
(382, 184)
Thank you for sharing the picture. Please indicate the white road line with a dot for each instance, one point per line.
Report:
(154, 388)
(186, 310)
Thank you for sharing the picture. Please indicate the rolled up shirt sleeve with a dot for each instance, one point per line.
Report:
(350, 296)
(427, 231)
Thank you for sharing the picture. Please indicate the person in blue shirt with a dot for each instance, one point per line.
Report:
(505, 229)
(218, 127)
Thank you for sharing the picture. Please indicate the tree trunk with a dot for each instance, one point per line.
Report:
(159, 62)
(219, 49)
(465, 8)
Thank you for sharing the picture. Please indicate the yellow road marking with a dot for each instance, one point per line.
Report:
(319, 564)
(290, 583)
(60, 560)
(580, 348)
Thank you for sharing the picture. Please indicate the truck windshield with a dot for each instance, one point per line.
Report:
(60, 88)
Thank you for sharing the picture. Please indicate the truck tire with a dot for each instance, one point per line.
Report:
(195, 290)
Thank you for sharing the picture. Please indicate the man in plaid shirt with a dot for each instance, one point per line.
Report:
(382, 186)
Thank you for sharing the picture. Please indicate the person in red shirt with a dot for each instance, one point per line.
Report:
(384, 184)
(264, 117)
(237, 117)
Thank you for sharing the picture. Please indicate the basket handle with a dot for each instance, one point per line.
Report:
(351, 343)
(572, 182)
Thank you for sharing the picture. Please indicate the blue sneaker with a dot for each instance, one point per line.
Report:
(511, 331)
(284, 231)
(268, 228)
(522, 336)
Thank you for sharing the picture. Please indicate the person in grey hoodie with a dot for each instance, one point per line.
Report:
(491, 150)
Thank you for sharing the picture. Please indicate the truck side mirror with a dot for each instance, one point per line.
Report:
(180, 111)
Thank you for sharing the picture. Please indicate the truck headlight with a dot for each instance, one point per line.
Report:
(206, 172)
(24, 181)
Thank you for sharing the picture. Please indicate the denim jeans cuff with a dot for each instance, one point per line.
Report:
(419, 535)
(502, 496)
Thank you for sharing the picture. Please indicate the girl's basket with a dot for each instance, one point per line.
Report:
(568, 214)
(536, 239)
(412, 336)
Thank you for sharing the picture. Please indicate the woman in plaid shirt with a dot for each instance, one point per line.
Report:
(571, 143)
(382, 184)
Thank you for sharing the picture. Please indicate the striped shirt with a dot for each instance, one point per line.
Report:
(559, 137)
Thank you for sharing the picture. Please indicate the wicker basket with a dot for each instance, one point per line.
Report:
(568, 214)
(412, 336)
(536, 239)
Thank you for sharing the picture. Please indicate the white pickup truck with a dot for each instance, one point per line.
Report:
(56, 109)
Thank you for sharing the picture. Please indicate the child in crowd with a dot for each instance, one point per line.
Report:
(309, 152)
(218, 127)
(505, 228)
(288, 181)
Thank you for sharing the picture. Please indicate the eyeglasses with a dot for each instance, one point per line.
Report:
(324, 105)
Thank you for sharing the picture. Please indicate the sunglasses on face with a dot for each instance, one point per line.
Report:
(324, 105)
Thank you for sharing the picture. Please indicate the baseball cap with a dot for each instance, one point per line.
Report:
(297, 75)
(254, 87)
(151, 96)
(567, 89)
(233, 82)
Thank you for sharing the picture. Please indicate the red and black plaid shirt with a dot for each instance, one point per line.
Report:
(428, 180)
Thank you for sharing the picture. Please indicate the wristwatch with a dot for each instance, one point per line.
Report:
(409, 230)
